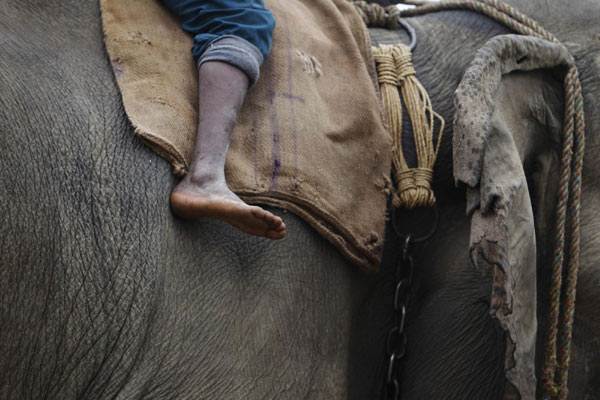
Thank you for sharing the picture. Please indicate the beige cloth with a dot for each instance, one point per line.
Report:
(490, 138)
(310, 137)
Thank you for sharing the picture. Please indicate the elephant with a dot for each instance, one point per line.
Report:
(106, 295)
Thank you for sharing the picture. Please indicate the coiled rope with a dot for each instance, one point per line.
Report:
(559, 336)
(395, 69)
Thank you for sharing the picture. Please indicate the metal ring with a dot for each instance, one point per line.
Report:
(391, 364)
(406, 247)
(411, 270)
(411, 33)
(400, 287)
(402, 319)
(419, 239)
(396, 389)
(403, 342)
(389, 347)
(387, 390)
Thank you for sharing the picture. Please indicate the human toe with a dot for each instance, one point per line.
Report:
(275, 235)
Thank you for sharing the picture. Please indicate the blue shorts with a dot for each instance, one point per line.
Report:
(235, 31)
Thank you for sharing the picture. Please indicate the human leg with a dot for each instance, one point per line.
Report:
(204, 192)
(231, 40)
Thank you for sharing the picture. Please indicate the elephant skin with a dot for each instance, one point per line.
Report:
(106, 295)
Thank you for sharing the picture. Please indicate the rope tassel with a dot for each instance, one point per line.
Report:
(395, 70)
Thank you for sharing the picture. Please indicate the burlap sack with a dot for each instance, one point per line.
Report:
(310, 137)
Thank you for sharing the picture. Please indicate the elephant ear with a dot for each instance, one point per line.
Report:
(491, 136)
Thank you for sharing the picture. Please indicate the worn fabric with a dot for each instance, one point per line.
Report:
(235, 51)
(310, 137)
(487, 160)
(210, 20)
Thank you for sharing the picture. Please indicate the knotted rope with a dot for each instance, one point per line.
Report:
(374, 15)
(395, 69)
(556, 364)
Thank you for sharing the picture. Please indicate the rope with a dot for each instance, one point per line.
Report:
(374, 15)
(557, 358)
(395, 69)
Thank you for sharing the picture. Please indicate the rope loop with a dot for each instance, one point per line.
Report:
(376, 16)
(385, 69)
(403, 64)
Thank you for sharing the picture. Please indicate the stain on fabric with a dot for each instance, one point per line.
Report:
(117, 66)
(255, 150)
(292, 97)
(274, 124)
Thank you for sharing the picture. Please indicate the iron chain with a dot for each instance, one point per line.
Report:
(396, 341)
(395, 346)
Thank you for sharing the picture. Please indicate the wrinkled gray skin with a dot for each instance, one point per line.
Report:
(105, 295)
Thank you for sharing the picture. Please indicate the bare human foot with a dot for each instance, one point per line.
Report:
(203, 192)
(213, 199)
